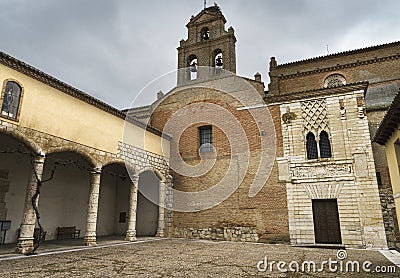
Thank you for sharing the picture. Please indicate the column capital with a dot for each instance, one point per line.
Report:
(134, 178)
(39, 158)
(96, 170)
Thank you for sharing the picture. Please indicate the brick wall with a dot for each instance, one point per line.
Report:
(267, 211)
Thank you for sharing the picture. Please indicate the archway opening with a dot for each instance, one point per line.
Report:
(147, 205)
(192, 65)
(114, 195)
(15, 170)
(63, 200)
(217, 61)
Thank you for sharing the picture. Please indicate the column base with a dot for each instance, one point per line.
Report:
(24, 246)
(130, 236)
(160, 233)
(90, 241)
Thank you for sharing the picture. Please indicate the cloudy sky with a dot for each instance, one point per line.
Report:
(112, 49)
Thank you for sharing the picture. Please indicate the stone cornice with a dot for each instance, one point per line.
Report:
(339, 67)
(340, 54)
(360, 86)
(43, 77)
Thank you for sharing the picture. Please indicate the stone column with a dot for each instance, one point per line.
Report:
(161, 210)
(169, 199)
(91, 223)
(25, 240)
(131, 232)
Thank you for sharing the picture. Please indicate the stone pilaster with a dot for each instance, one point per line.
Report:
(161, 210)
(90, 237)
(131, 232)
(25, 240)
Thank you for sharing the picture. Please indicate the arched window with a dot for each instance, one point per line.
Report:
(217, 62)
(205, 34)
(334, 80)
(324, 145)
(311, 145)
(192, 65)
(11, 100)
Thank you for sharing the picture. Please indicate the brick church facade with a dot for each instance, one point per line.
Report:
(328, 184)
(219, 157)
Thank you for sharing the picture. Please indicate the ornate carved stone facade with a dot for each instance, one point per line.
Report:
(348, 176)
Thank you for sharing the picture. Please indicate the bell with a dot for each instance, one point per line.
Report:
(193, 67)
(219, 62)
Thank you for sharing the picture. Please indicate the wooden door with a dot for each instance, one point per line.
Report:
(326, 221)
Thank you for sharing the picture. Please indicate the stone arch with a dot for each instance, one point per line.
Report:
(17, 135)
(214, 55)
(311, 146)
(334, 80)
(114, 197)
(157, 172)
(192, 65)
(92, 161)
(132, 169)
(205, 34)
(150, 208)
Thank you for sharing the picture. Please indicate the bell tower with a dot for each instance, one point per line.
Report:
(208, 44)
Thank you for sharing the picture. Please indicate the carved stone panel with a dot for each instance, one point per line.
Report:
(323, 171)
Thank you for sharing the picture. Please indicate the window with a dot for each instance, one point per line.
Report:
(11, 100)
(205, 34)
(192, 64)
(334, 80)
(379, 179)
(205, 139)
(324, 145)
(311, 145)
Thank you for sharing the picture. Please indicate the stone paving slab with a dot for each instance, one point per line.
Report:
(186, 258)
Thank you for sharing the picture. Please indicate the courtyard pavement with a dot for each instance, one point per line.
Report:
(152, 257)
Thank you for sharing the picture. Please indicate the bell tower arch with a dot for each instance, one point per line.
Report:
(208, 41)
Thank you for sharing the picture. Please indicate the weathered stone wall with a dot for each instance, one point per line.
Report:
(390, 219)
(243, 234)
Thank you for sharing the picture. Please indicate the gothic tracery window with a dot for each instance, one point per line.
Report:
(311, 145)
(324, 145)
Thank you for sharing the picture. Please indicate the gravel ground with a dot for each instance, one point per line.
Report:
(185, 258)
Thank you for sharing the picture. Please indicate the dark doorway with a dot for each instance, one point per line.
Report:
(147, 204)
(326, 221)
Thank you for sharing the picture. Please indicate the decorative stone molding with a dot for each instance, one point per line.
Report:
(313, 170)
(336, 68)
(323, 191)
(315, 115)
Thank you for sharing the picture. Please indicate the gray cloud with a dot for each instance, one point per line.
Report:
(112, 49)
